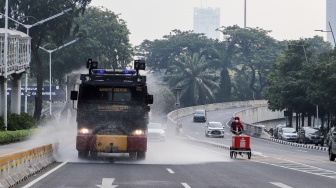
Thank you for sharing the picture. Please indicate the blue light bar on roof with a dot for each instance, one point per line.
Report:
(98, 71)
(129, 71)
(112, 71)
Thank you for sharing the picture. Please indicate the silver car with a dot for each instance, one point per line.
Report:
(156, 132)
(288, 134)
(214, 129)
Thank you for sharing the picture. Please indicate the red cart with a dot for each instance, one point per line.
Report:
(241, 145)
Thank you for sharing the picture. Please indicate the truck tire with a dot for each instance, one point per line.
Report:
(93, 154)
(331, 155)
(83, 154)
(133, 155)
(141, 155)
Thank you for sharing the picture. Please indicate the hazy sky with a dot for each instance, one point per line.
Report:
(287, 19)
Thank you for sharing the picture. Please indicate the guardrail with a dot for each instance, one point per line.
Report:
(17, 167)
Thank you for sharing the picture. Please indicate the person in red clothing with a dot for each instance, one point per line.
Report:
(237, 126)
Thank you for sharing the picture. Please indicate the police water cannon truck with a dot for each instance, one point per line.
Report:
(112, 111)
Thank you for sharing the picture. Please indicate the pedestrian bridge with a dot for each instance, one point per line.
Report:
(18, 59)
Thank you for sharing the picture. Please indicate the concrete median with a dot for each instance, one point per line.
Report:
(17, 167)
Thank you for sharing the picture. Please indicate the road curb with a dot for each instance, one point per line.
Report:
(298, 145)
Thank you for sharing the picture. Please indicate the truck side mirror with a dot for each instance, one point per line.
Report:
(74, 95)
(149, 99)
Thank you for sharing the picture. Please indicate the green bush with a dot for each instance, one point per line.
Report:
(14, 136)
(2, 124)
(20, 122)
(13, 122)
(27, 121)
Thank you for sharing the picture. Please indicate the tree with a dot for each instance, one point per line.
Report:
(295, 81)
(104, 38)
(161, 54)
(221, 55)
(250, 52)
(55, 30)
(196, 78)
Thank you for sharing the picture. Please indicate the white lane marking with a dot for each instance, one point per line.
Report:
(197, 133)
(107, 183)
(44, 175)
(301, 150)
(185, 185)
(170, 171)
(280, 184)
(319, 173)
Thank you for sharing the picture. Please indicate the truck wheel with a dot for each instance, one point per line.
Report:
(249, 155)
(141, 155)
(231, 154)
(83, 154)
(331, 155)
(133, 155)
(93, 154)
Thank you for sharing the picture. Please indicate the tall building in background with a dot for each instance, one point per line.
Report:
(207, 20)
(331, 17)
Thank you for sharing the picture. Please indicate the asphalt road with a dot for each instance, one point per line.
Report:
(176, 163)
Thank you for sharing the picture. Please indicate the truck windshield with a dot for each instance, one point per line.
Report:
(106, 94)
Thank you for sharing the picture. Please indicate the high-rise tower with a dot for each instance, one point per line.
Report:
(207, 20)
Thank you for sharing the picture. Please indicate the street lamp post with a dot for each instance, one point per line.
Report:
(244, 14)
(305, 53)
(28, 26)
(177, 89)
(5, 62)
(50, 52)
(332, 33)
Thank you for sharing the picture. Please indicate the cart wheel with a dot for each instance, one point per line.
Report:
(235, 154)
(249, 155)
(231, 154)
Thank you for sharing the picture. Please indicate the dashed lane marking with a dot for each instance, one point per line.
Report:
(185, 185)
(279, 184)
(170, 171)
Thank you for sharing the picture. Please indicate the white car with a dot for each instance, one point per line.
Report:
(156, 132)
(214, 129)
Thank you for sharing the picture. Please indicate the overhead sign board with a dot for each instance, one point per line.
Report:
(57, 93)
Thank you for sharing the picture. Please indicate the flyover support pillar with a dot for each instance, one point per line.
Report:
(16, 94)
(2, 96)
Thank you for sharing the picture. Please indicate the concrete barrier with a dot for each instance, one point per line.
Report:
(211, 107)
(17, 167)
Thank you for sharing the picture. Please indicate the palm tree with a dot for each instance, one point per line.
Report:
(199, 82)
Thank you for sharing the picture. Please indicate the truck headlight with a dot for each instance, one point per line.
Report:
(84, 131)
(138, 132)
